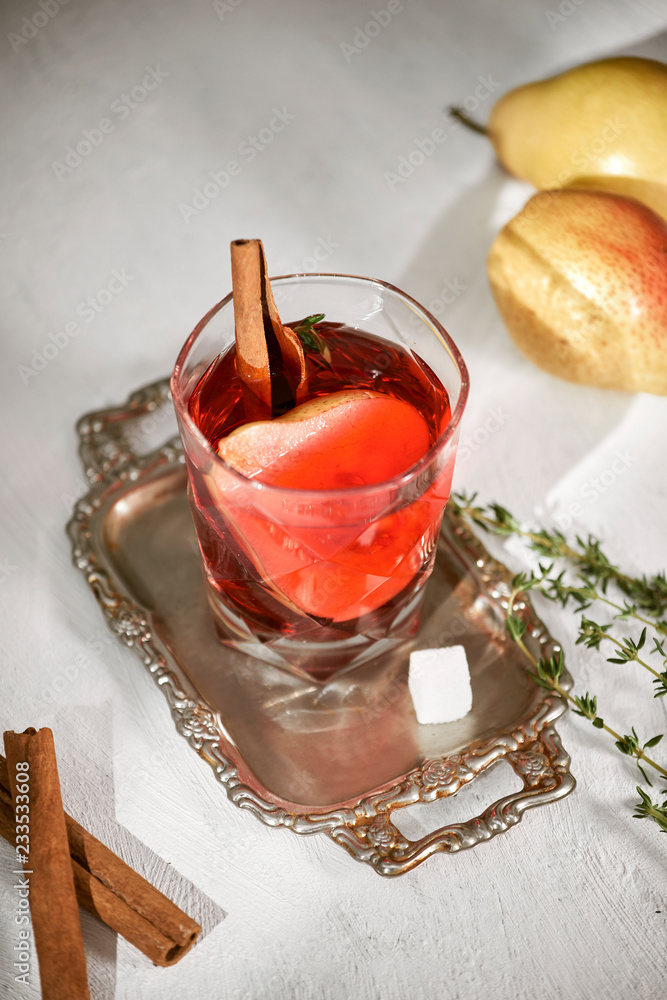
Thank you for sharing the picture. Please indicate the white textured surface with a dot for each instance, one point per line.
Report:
(439, 683)
(571, 902)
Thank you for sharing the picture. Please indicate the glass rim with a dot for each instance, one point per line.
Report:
(396, 482)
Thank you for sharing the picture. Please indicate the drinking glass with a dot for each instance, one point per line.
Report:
(320, 581)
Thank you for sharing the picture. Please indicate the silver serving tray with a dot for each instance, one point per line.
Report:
(334, 757)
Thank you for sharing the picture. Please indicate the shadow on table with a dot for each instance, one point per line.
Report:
(88, 795)
(448, 275)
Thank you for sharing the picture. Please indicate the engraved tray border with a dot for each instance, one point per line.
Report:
(363, 827)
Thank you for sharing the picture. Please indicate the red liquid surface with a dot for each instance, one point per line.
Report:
(343, 572)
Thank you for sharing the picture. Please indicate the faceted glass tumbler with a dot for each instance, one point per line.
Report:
(319, 581)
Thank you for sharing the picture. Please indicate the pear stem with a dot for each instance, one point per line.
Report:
(459, 114)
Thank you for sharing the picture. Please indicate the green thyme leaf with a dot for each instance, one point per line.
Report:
(310, 338)
(644, 600)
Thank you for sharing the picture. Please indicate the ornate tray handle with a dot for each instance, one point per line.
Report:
(111, 451)
(111, 438)
(542, 766)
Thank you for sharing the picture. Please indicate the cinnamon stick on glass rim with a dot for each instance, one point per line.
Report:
(56, 926)
(269, 357)
(114, 892)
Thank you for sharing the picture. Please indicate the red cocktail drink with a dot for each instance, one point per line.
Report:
(318, 532)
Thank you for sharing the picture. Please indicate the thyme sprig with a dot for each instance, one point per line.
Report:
(646, 809)
(648, 594)
(586, 592)
(596, 572)
(591, 634)
(310, 338)
(548, 671)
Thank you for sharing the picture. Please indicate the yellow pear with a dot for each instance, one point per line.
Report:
(580, 279)
(604, 122)
(648, 192)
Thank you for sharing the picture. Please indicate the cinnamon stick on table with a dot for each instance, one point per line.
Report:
(115, 893)
(269, 357)
(53, 906)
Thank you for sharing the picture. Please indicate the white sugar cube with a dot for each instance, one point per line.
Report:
(439, 683)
